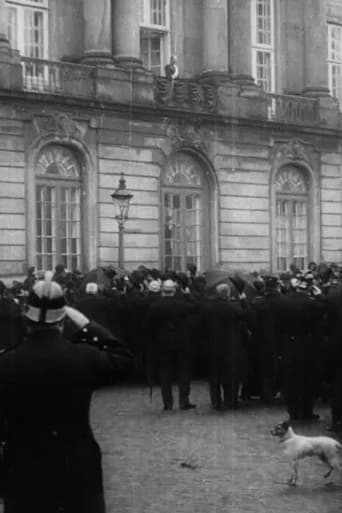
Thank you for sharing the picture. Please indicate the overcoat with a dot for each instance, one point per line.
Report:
(52, 460)
(223, 322)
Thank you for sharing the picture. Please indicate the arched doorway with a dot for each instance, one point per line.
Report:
(186, 213)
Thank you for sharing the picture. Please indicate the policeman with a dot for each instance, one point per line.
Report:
(167, 327)
(46, 384)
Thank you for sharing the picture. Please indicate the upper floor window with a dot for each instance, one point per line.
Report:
(263, 48)
(335, 60)
(155, 35)
(27, 26)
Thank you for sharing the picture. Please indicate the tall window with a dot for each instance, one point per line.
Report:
(185, 213)
(155, 35)
(27, 22)
(263, 48)
(291, 218)
(335, 60)
(58, 209)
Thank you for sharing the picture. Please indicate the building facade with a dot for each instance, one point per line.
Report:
(235, 164)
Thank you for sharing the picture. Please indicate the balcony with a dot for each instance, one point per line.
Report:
(59, 78)
(297, 110)
(186, 95)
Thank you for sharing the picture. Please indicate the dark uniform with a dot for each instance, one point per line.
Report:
(265, 342)
(109, 312)
(52, 461)
(296, 317)
(226, 355)
(167, 328)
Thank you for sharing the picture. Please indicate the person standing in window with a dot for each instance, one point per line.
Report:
(52, 461)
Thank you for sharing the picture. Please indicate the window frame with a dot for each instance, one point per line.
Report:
(57, 183)
(292, 198)
(206, 226)
(149, 30)
(257, 47)
(334, 62)
(20, 6)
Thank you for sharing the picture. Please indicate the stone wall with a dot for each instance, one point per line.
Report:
(12, 194)
(331, 206)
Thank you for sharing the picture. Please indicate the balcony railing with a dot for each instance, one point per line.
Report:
(77, 80)
(66, 79)
(293, 109)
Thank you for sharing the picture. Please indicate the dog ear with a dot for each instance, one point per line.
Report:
(286, 424)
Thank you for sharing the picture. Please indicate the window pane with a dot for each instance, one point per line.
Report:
(33, 34)
(151, 48)
(283, 235)
(264, 70)
(264, 22)
(45, 223)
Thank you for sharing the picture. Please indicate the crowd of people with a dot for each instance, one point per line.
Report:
(63, 335)
(252, 336)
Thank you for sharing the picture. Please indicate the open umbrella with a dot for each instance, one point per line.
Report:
(239, 282)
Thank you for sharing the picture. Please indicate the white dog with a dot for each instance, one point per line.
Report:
(297, 447)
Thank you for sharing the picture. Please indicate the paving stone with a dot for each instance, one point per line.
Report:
(232, 463)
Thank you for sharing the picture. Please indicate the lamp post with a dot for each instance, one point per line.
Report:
(121, 198)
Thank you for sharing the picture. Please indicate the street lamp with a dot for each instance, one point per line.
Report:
(121, 198)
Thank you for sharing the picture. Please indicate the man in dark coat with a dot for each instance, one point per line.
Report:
(297, 316)
(167, 329)
(107, 311)
(52, 461)
(223, 322)
(264, 337)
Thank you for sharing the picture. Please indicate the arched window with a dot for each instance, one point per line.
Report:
(186, 216)
(58, 209)
(292, 194)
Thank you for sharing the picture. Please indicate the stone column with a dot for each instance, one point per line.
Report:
(126, 33)
(97, 32)
(315, 48)
(215, 39)
(4, 44)
(240, 52)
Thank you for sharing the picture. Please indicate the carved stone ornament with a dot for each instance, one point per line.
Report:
(59, 123)
(293, 150)
(186, 135)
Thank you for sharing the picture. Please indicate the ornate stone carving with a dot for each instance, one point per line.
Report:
(291, 180)
(183, 171)
(186, 135)
(59, 123)
(58, 160)
(293, 150)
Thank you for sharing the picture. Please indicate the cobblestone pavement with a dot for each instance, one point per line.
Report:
(200, 461)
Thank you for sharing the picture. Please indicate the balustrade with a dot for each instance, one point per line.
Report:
(68, 79)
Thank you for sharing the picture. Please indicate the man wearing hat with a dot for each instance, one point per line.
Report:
(222, 321)
(52, 461)
(297, 317)
(167, 327)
